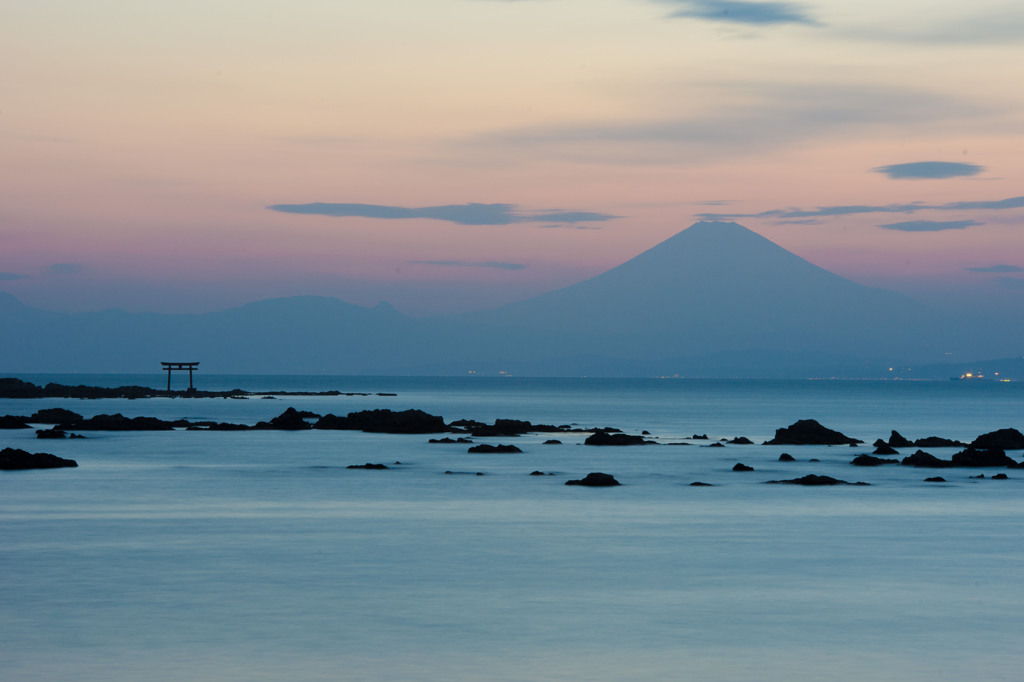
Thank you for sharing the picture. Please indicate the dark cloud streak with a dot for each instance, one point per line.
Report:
(461, 214)
(742, 12)
(930, 225)
(929, 170)
(821, 211)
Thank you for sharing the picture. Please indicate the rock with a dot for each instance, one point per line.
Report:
(703, 436)
(225, 426)
(1004, 439)
(810, 432)
(739, 466)
(978, 476)
(487, 447)
(898, 441)
(450, 440)
(715, 445)
(12, 459)
(700, 484)
(922, 459)
(374, 467)
(50, 433)
(552, 442)
(885, 449)
(537, 473)
(741, 440)
(935, 479)
(384, 421)
(972, 457)
(1000, 477)
(879, 443)
(610, 438)
(937, 442)
(289, 420)
(11, 421)
(55, 415)
(812, 479)
(119, 422)
(786, 457)
(869, 461)
(595, 480)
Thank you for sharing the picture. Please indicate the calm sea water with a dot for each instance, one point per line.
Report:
(260, 556)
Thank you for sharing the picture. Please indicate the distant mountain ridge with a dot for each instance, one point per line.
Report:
(714, 300)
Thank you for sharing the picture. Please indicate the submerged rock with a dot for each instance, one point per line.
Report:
(610, 438)
(51, 434)
(898, 441)
(937, 442)
(739, 466)
(55, 415)
(935, 479)
(973, 457)
(741, 440)
(922, 459)
(487, 447)
(368, 465)
(595, 479)
(13, 459)
(384, 421)
(813, 479)
(1003, 439)
(700, 484)
(119, 422)
(10, 421)
(869, 461)
(786, 457)
(810, 432)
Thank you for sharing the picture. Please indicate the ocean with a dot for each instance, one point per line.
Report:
(223, 556)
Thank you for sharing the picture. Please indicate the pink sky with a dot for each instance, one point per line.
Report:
(143, 145)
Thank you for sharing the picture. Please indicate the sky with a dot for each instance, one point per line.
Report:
(450, 155)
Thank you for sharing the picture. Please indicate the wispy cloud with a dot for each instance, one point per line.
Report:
(930, 170)
(996, 268)
(762, 117)
(930, 225)
(742, 12)
(822, 211)
(462, 214)
(11, 276)
(498, 265)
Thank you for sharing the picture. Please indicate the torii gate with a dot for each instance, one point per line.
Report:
(190, 366)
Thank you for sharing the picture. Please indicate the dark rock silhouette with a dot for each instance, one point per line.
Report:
(55, 415)
(715, 445)
(935, 479)
(488, 448)
(450, 440)
(13, 459)
(739, 466)
(702, 436)
(813, 479)
(289, 420)
(384, 421)
(595, 479)
(974, 457)
(898, 441)
(922, 459)
(10, 421)
(741, 440)
(552, 441)
(51, 433)
(786, 457)
(937, 442)
(810, 432)
(1000, 477)
(119, 422)
(609, 438)
(869, 461)
(885, 449)
(1003, 439)
(368, 465)
(700, 484)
